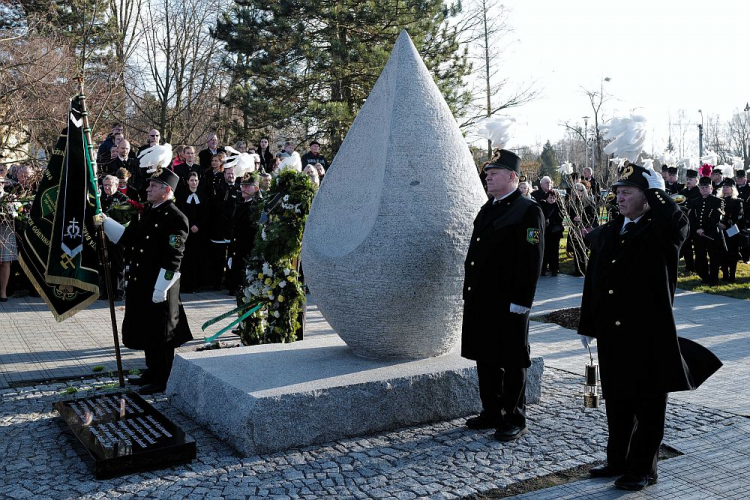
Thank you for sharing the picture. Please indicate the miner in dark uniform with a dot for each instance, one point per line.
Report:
(222, 201)
(705, 213)
(690, 192)
(111, 196)
(671, 186)
(138, 179)
(731, 223)
(502, 268)
(244, 227)
(627, 301)
(155, 320)
(743, 188)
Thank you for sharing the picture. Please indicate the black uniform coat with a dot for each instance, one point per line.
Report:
(502, 266)
(156, 242)
(627, 303)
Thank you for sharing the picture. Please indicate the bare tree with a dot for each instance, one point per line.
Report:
(738, 135)
(486, 30)
(174, 83)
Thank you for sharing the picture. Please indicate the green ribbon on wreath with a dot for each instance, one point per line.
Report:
(245, 309)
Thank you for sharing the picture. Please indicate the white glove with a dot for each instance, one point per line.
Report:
(229, 263)
(112, 229)
(655, 181)
(515, 308)
(163, 284)
(586, 341)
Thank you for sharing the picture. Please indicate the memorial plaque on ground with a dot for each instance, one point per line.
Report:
(122, 433)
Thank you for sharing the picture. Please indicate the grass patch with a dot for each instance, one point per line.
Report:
(69, 390)
(98, 368)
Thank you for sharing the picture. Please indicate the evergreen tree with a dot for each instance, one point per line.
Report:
(548, 161)
(312, 63)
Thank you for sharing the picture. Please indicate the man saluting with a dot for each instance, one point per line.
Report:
(155, 320)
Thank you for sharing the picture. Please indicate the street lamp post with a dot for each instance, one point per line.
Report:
(586, 139)
(700, 136)
(745, 149)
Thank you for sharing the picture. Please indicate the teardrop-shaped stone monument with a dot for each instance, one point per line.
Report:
(385, 242)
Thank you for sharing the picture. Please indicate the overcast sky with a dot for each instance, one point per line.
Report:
(661, 55)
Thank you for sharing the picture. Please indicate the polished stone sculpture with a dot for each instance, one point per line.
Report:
(386, 238)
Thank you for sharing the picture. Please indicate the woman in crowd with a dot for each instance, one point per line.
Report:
(123, 184)
(524, 186)
(193, 202)
(266, 156)
(312, 173)
(7, 237)
(583, 217)
(734, 214)
(321, 171)
(553, 232)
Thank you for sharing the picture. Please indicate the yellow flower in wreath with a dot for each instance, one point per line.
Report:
(281, 298)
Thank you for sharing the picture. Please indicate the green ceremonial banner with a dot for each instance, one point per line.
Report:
(57, 248)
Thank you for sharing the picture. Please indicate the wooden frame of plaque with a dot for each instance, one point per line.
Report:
(122, 433)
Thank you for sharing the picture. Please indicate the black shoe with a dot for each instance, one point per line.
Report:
(104, 297)
(142, 380)
(119, 296)
(152, 389)
(635, 482)
(606, 470)
(3, 299)
(554, 273)
(510, 432)
(543, 273)
(483, 421)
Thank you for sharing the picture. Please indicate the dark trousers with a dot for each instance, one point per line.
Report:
(159, 364)
(218, 261)
(551, 259)
(707, 259)
(686, 252)
(636, 429)
(503, 392)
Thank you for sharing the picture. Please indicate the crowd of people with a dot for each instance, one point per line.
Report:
(208, 193)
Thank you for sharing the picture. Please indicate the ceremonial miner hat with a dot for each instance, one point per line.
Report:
(672, 170)
(664, 167)
(522, 178)
(691, 174)
(249, 178)
(739, 174)
(729, 182)
(633, 175)
(502, 158)
(704, 181)
(165, 176)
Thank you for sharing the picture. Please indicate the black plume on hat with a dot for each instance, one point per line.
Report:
(166, 176)
(633, 175)
(502, 158)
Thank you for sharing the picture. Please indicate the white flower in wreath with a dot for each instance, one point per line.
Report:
(276, 314)
(286, 197)
(267, 269)
(286, 271)
(263, 234)
(282, 284)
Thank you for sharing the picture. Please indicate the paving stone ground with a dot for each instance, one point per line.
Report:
(440, 460)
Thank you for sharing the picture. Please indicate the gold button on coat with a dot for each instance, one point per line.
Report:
(617, 323)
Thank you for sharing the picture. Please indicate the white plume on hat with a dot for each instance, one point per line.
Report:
(711, 158)
(498, 129)
(738, 163)
(618, 161)
(726, 170)
(565, 168)
(293, 162)
(668, 158)
(159, 156)
(648, 163)
(242, 163)
(628, 135)
(688, 163)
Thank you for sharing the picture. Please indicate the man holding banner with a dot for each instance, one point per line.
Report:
(155, 320)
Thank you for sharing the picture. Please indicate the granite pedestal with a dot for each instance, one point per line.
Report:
(268, 398)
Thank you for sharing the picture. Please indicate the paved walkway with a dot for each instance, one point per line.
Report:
(443, 460)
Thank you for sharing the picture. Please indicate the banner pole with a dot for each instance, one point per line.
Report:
(103, 255)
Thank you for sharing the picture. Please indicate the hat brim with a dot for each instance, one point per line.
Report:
(626, 183)
(492, 166)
